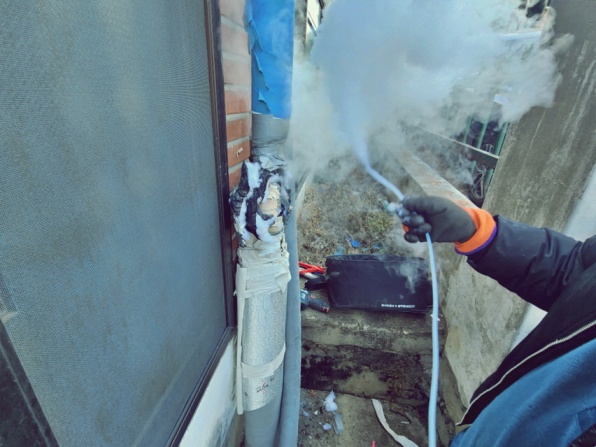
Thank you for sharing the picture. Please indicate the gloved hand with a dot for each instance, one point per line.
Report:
(443, 219)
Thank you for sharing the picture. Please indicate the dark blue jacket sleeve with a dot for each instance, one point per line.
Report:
(535, 263)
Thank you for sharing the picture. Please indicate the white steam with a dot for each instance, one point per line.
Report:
(392, 64)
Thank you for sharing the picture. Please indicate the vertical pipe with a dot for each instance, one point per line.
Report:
(270, 26)
(290, 404)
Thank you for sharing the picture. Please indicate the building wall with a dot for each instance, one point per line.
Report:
(215, 422)
(236, 70)
(545, 177)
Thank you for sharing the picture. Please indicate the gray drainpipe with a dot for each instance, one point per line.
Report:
(270, 25)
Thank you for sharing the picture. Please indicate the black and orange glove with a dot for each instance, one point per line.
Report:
(469, 228)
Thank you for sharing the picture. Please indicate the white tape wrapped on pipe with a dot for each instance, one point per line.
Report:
(261, 288)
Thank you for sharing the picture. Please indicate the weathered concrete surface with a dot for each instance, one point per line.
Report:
(582, 223)
(483, 319)
(393, 332)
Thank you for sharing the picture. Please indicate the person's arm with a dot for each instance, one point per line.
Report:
(535, 263)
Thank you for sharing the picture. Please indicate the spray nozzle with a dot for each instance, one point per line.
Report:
(393, 207)
(401, 211)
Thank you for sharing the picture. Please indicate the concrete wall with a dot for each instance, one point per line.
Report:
(582, 223)
(546, 178)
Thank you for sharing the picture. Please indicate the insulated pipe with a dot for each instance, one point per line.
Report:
(290, 404)
(270, 26)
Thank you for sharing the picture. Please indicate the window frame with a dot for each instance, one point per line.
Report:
(14, 383)
(216, 83)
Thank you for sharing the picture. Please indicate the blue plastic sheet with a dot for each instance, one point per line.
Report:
(270, 25)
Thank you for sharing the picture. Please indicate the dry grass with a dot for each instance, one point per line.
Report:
(347, 216)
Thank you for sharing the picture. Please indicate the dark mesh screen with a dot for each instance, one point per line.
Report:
(111, 286)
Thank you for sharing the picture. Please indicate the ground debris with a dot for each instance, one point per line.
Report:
(357, 420)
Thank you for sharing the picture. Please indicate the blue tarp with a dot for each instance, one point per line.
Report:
(270, 25)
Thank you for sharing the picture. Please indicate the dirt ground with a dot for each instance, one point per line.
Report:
(358, 424)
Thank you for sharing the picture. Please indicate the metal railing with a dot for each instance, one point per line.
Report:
(487, 136)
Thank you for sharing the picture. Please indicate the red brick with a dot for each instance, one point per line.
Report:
(234, 40)
(233, 10)
(234, 175)
(237, 100)
(235, 243)
(236, 70)
(238, 128)
(238, 152)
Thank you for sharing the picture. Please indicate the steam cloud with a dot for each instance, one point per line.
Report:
(399, 63)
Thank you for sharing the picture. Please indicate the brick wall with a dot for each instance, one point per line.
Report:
(236, 71)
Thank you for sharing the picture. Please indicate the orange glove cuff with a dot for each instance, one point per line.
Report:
(486, 229)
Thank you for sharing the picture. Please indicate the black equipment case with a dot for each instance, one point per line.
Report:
(379, 282)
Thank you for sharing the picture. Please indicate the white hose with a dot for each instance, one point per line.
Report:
(434, 380)
(383, 181)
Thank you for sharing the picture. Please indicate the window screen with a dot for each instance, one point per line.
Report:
(111, 283)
